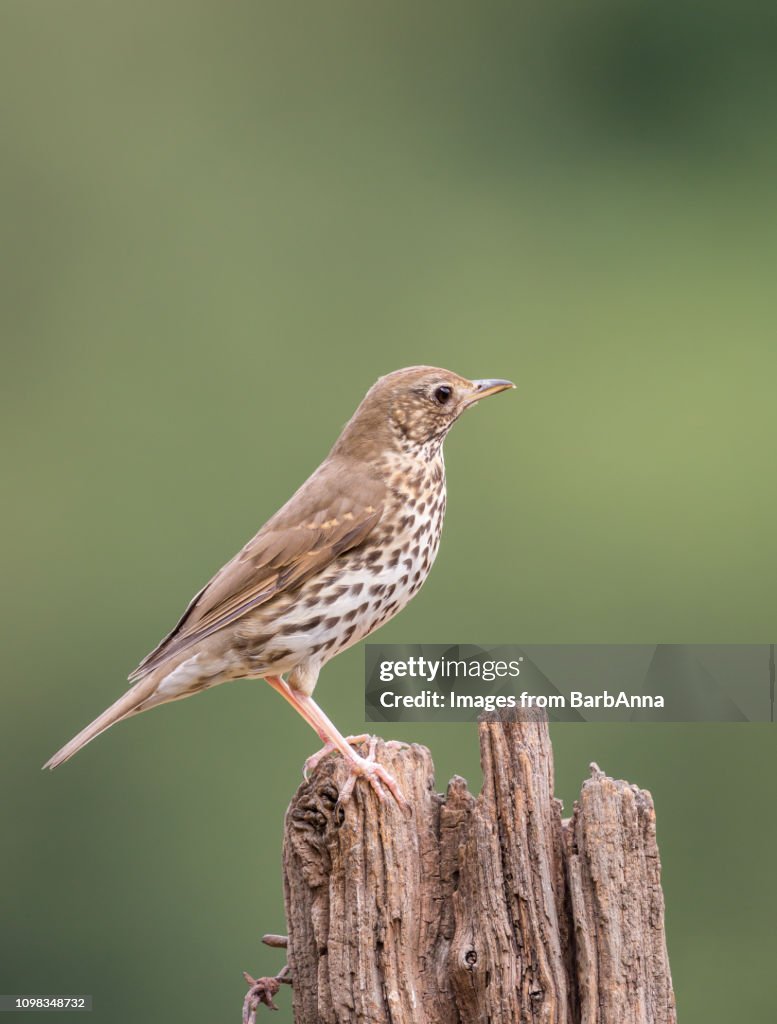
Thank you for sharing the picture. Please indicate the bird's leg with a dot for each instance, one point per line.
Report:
(334, 740)
(283, 688)
(376, 774)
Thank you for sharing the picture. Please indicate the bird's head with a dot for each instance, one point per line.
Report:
(413, 408)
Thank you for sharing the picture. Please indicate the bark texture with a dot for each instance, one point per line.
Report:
(487, 910)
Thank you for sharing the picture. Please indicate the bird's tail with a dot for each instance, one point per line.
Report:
(128, 704)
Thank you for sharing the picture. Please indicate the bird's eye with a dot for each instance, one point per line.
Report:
(443, 393)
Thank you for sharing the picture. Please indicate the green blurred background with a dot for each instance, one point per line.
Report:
(220, 223)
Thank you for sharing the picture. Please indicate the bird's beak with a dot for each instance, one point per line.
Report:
(484, 388)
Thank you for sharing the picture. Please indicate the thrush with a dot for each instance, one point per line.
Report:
(347, 552)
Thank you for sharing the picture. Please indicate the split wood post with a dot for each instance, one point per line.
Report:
(487, 910)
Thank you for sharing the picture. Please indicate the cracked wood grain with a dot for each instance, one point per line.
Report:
(475, 910)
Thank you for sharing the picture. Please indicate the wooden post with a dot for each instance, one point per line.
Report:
(487, 910)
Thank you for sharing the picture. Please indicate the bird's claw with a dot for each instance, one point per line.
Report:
(362, 767)
(377, 776)
(328, 748)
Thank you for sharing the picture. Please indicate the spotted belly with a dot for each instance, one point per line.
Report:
(298, 631)
(349, 600)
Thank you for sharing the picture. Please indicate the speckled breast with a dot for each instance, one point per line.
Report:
(368, 586)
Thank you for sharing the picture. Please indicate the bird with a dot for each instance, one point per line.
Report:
(344, 555)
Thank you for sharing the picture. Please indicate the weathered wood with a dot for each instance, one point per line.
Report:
(484, 910)
(618, 907)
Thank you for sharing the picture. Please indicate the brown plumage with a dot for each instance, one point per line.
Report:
(342, 556)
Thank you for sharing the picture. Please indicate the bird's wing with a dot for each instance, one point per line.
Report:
(335, 510)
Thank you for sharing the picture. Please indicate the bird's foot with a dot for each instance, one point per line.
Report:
(377, 776)
(328, 748)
